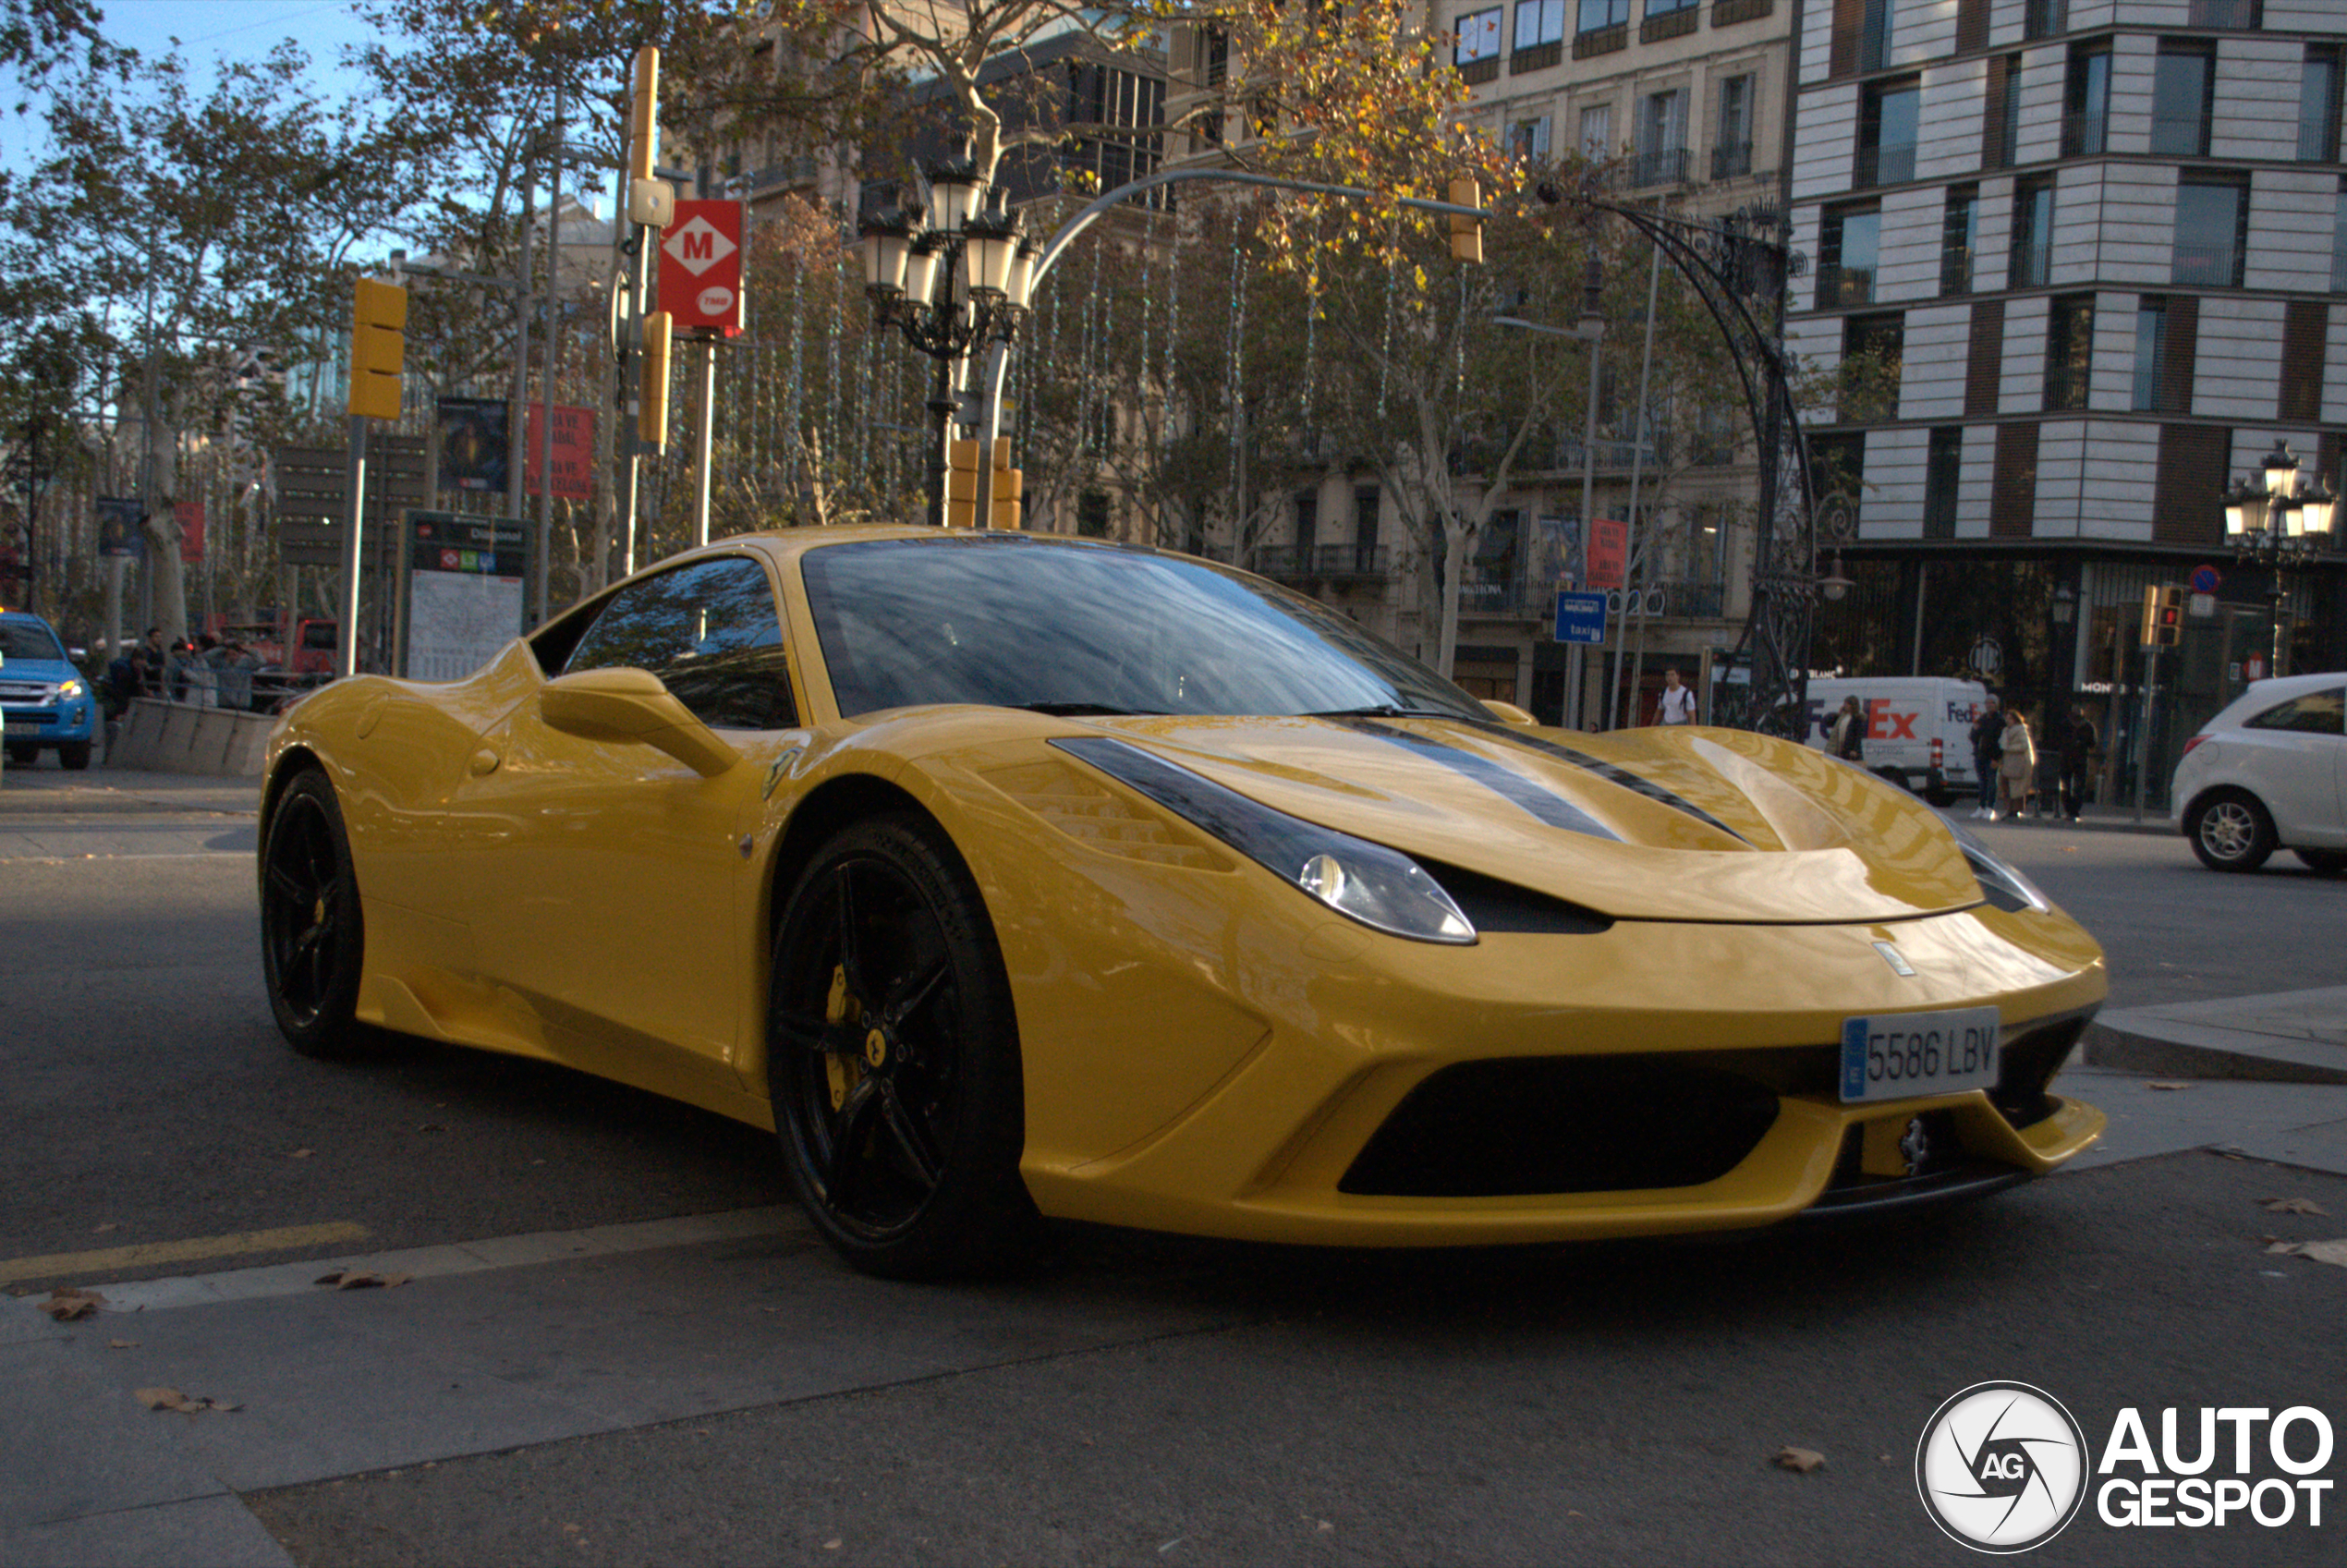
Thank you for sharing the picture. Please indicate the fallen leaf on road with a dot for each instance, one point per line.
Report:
(122, 1345)
(2163, 1084)
(359, 1280)
(1802, 1460)
(172, 1399)
(429, 1127)
(68, 1304)
(301, 1154)
(2333, 1251)
(109, 1225)
(2292, 1206)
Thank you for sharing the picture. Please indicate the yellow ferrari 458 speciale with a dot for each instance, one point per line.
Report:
(1008, 876)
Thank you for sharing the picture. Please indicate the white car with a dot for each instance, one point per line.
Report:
(2269, 772)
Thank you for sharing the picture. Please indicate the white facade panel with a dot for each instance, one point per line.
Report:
(2078, 229)
(2257, 113)
(2111, 386)
(1815, 345)
(2236, 365)
(1920, 31)
(2335, 379)
(1908, 262)
(1892, 506)
(2041, 83)
(1816, 52)
(1804, 243)
(2061, 459)
(1931, 382)
(2304, 15)
(2128, 125)
(2291, 216)
(1988, 264)
(1949, 125)
(1977, 476)
(2120, 476)
(2022, 384)
(2138, 240)
(1826, 149)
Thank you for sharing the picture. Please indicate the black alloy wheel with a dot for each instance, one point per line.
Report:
(2230, 831)
(893, 1058)
(313, 930)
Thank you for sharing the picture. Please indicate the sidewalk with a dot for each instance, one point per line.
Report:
(2295, 1036)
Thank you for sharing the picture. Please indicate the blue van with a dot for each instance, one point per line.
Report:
(45, 702)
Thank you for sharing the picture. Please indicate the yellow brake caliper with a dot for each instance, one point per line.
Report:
(843, 1070)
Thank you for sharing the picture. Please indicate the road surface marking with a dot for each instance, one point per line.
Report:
(240, 1244)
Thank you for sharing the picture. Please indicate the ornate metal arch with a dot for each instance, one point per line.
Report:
(1739, 267)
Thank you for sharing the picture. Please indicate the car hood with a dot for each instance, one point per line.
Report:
(1678, 824)
(51, 670)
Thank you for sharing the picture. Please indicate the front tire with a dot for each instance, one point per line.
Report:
(313, 926)
(23, 754)
(2230, 831)
(893, 1059)
(73, 756)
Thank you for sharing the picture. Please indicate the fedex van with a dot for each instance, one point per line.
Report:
(1918, 729)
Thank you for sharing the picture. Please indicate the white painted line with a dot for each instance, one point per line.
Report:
(461, 1257)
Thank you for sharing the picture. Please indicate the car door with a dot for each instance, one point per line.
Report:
(2300, 750)
(620, 898)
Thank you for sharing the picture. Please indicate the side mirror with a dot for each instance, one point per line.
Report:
(1508, 712)
(626, 706)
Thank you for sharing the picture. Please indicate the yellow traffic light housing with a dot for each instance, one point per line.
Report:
(1466, 232)
(963, 464)
(378, 345)
(1008, 485)
(2163, 615)
(650, 200)
(651, 409)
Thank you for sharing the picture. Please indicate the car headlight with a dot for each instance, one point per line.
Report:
(1381, 888)
(1999, 882)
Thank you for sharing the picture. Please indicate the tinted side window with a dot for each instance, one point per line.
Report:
(2317, 713)
(710, 633)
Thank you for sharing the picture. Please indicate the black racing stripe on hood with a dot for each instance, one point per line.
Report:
(1606, 771)
(1514, 787)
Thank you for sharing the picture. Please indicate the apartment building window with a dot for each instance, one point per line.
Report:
(1662, 138)
(1838, 465)
(1959, 238)
(2151, 356)
(2033, 220)
(1308, 529)
(2044, 18)
(1597, 132)
(1942, 472)
(2183, 86)
(1670, 18)
(1479, 37)
(2000, 124)
(1874, 35)
(2212, 230)
(2247, 15)
(1217, 55)
(2318, 105)
(1849, 244)
(1596, 16)
(1538, 22)
(2086, 100)
(1888, 122)
(1529, 140)
(1873, 358)
(1731, 148)
(1365, 508)
(2070, 352)
(1091, 514)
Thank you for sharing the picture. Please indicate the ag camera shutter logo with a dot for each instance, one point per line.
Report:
(2001, 1467)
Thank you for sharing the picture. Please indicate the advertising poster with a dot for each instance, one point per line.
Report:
(465, 598)
(574, 452)
(189, 515)
(118, 529)
(473, 439)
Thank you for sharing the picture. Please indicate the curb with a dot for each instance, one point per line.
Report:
(2169, 1046)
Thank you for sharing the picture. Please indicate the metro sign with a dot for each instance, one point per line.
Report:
(700, 267)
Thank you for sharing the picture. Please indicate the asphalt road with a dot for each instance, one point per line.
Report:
(632, 1390)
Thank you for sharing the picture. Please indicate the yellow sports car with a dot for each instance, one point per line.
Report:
(1007, 877)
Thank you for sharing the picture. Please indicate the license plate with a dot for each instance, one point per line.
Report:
(1902, 1055)
(23, 727)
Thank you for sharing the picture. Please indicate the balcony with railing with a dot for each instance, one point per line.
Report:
(2044, 18)
(1322, 563)
(1956, 269)
(1670, 24)
(2211, 266)
(1601, 41)
(2032, 264)
(1727, 13)
(2339, 270)
(1684, 599)
(2180, 136)
(1539, 58)
(1732, 160)
(1894, 164)
(1498, 590)
(2083, 133)
(1666, 165)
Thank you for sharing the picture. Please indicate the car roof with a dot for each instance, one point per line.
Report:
(2262, 695)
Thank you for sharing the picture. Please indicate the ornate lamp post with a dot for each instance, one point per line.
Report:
(951, 277)
(2279, 522)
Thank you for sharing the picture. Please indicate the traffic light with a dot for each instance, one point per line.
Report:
(1008, 485)
(378, 342)
(651, 411)
(963, 462)
(2163, 615)
(650, 200)
(1466, 233)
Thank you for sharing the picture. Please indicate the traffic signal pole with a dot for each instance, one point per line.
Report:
(346, 635)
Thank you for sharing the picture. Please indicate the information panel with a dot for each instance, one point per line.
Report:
(467, 582)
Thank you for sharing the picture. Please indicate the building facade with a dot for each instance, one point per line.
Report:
(2078, 266)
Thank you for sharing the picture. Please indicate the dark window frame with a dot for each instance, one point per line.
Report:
(2234, 256)
(2070, 352)
(1872, 168)
(1959, 242)
(2176, 134)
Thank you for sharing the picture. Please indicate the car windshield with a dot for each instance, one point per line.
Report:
(29, 639)
(1014, 622)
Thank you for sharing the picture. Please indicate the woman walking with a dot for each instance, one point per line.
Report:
(1848, 738)
(2017, 765)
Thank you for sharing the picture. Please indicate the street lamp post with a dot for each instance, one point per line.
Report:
(2281, 523)
(951, 276)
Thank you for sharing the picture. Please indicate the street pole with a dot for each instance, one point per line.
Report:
(1596, 337)
(1637, 471)
(525, 305)
(2143, 729)
(704, 437)
(553, 347)
(347, 637)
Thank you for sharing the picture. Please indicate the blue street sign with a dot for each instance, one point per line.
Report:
(1581, 617)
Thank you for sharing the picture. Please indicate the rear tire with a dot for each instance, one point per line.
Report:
(74, 755)
(2230, 831)
(312, 924)
(2324, 862)
(892, 1055)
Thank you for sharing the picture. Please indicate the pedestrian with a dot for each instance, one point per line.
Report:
(1988, 753)
(1678, 700)
(2078, 749)
(2017, 765)
(156, 659)
(1848, 737)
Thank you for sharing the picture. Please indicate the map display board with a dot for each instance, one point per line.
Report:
(466, 591)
